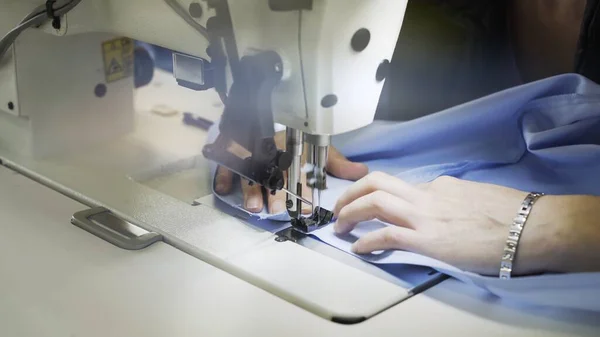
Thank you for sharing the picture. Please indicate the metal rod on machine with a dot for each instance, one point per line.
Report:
(295, 146)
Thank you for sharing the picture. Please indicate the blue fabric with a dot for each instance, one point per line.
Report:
(543, 136)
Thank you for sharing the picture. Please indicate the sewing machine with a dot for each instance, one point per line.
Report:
(153, 260)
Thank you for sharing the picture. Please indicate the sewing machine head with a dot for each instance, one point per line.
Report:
(314, 66)
(317, 68)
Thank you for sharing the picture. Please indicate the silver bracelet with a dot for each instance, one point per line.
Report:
(514, 234)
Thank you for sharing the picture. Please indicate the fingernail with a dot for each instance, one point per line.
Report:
(253, 204)
(354, 248)
(220, 188)
(337, 227)
(278, 207)
(306, 209)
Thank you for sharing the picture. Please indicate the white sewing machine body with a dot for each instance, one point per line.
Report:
(204, 272)
(332, 66)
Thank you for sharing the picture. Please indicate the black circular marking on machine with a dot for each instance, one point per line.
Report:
(11, 106)
(360, 39)
(329, 100)
(100, 90)
(383, 70)
(195, 10)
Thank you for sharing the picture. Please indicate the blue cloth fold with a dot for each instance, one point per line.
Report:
(543, 136)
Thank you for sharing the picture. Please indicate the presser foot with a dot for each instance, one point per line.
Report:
(318, 219)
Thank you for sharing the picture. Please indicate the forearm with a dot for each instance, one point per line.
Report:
(562, 235)
(466, 224)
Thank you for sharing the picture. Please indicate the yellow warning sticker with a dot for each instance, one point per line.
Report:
(118, 59)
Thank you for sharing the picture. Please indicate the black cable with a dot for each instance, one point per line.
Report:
(51, 15)
(34, 19)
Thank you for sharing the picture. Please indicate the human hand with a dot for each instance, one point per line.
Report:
(337, 165)
(459, 222)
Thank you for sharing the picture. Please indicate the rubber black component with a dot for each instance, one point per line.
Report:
(360, 39)
(329, 100)
(290, 5)
(348, 320)
(383, 70)
(195, 10)
(100, 90)
(143, 71)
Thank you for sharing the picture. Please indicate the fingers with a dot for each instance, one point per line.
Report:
(377, 205)
(306, 194)
(378, 181)
(238, 150)
(253, 197)
(342, 168)
(280, 138)
(277, 202)
(223, 181)
(386, 239)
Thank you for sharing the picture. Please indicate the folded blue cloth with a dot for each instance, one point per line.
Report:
(543, 136)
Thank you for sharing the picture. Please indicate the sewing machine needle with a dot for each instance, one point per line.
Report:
(319, 204)
(316, 202)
